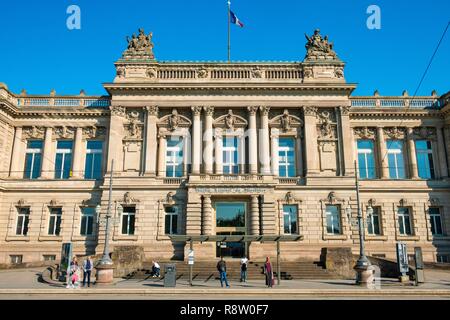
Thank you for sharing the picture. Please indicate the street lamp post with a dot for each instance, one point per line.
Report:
(105, 267)
(364, 275)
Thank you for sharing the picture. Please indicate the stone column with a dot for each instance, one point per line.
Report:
(264, 141)
(241, 153)
(275, 145)
(196, 140)
(208, 154)
(48, 156)
(254, 216)
(77, 153)
(162, 155)
(252, 141)
(207, 216)
(441, 153)
(218, 149)
(299, 154)
(413, 172)
(382, 154)
(347, 142)
(16, 170)
(116, 134)
(311, 150)
(151, 143)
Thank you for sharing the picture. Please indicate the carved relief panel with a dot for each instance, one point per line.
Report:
(132, 143)
(327, 140)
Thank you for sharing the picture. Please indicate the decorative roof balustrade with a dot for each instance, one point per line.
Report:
(43, 101)
(426, 102)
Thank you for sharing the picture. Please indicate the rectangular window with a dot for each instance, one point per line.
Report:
(286, 157)
(171, 220)
(16, 259)
(366, 159)
(49, 257)
(23, 217)
(63, 161)
(435, 221)
(230, 155)
(333, 219)
(174, 157)
(395, 159)
(290, 219)
(424, 155)
(93, 166)
(373, 223)
(404, 221)
(442, 258)
(128, 219)
(54, 225)
(87, 221)
(33, 159)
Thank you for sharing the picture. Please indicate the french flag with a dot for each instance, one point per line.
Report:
(234, 19)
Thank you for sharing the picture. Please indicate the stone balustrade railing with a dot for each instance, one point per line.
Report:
(243, 177)
(395, 102)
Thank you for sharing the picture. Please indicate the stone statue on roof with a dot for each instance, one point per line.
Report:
(318, 48)
(140, 45)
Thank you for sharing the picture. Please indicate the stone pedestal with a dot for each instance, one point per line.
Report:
(105, 274)
(403, 279)
(364, 277)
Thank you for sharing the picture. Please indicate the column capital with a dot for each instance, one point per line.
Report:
(209, 110)
(345, 110)
(197, 110)
(119, 111)
(252, 110)
(152, 110)
(264, 110)
(310, 111)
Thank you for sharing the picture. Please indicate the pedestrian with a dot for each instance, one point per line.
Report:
(156, 268)
(222, 268)
(87, 269)
(244, 262)
(268, 272)
(73, 274)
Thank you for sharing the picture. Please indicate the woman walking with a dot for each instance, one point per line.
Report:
(268, 272)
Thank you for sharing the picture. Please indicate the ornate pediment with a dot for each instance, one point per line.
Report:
(22, 203)
(230, 121)
(54, 203)
(395, 132)
(290, 199)
(93, 132)
(365, 132)
(433, 202)
(286, 121)
(128, 199)
(333, 199)
(65, 132)
(170, 199)
(424, 133)
(174, 121)
(33, 132)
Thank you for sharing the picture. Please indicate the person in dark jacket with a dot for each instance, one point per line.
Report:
(87, 270)
(268, 272)
(222, 268)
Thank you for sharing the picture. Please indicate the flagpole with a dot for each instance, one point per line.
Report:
(229, 42)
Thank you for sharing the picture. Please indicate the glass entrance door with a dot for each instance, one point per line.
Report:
(230, 220)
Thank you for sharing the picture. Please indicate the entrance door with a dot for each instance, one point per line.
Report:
(230, 220)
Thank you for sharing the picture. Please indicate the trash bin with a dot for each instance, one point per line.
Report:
(170, 275)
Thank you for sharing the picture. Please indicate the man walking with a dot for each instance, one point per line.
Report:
(87, 269)
(244, 262)
(222, 267)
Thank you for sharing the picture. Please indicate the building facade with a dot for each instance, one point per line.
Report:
(206, 148)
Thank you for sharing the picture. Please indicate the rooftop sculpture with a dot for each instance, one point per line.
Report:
(318, 48)
(140, 46)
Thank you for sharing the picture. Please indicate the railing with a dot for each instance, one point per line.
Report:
(90, 102)
(284, 180)
(395, 102)
(173, 181)
(244, 177)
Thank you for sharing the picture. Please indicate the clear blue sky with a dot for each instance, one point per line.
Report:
(39, 53)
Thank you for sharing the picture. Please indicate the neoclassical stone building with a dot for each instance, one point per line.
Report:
(206, 148)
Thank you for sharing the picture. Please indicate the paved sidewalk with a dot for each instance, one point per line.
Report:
(24, 284)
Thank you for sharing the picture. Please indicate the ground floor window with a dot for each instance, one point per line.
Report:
(404, 221)
(49, 257)
(171, 220)
(16, 258)
(23, 218)
(54, 225)
(333, 218)
(290, 219)
(435, 221)
(87, 221)
(128, 220)
(373, 222)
